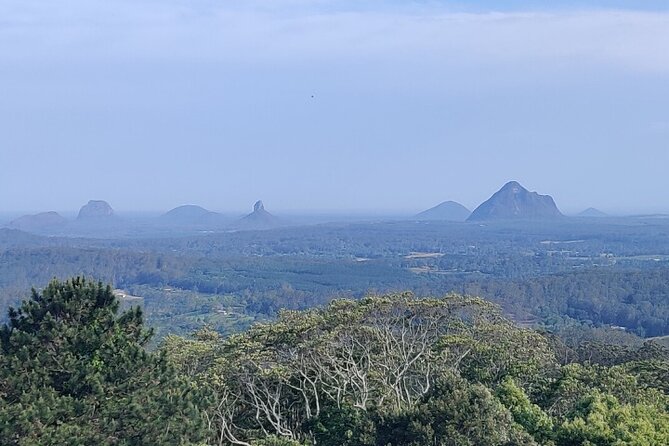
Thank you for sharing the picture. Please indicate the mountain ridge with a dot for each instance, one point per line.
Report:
(446, 211)
(514, 202)
(191, 214)
(39, 221)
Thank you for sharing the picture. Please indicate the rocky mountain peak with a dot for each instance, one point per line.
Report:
(95, 209)
(514, 202)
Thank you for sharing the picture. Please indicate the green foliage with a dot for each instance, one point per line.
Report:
(273, 440)
(577, 380)
(502, 349)
(322, 374)
(530, 416)
(395, 370)
(72, 371)
(454, 413)
(525, 268)
(387, 370)
(650, 373)
(342, 426)
(600, 420)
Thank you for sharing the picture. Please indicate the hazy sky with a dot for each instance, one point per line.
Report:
(381, 105)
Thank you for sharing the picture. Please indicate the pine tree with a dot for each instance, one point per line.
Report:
(74, 371)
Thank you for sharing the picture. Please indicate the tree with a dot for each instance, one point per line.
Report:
(530, 416)
(454, 413)
(73, 371)
(320, 374)
(602, 420)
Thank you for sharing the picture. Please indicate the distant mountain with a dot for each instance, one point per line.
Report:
(448, 210)
(11, 238)
(95, 210)
(514, 202)
(592, 213)
(190, 214)
(258, 219)
(39, 222)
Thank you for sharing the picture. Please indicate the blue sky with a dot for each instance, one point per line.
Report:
(332, 106)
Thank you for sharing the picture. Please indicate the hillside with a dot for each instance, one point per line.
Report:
(39, 222)
(514, 202)
(190, 215)
(95, 210)
(260, 218)
(447, 211)
(592, 213)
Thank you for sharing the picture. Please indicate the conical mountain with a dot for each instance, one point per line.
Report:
(258, 219)
(592, 213)
(448, 210)
(514, 202)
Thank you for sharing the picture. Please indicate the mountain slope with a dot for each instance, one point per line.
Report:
(258, 219)
(514, 202)
(190, 214)
(592, 212)
(94, 210)
(39, 222)
(448, 210)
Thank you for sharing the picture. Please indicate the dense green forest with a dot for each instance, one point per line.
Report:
(605, 272)
(386, 370)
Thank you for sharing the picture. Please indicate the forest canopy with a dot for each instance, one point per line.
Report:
(386, 370)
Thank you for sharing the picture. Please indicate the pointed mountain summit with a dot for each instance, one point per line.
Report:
(95, 210)
(593, 213)
(258, 219)
(259, 207)
(514, 202)
(448, 210)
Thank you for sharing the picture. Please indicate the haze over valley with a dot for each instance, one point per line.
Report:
(97, 218)
(334, 223)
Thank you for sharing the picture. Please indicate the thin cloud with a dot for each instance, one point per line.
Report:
(215, 86)
(93, 30)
